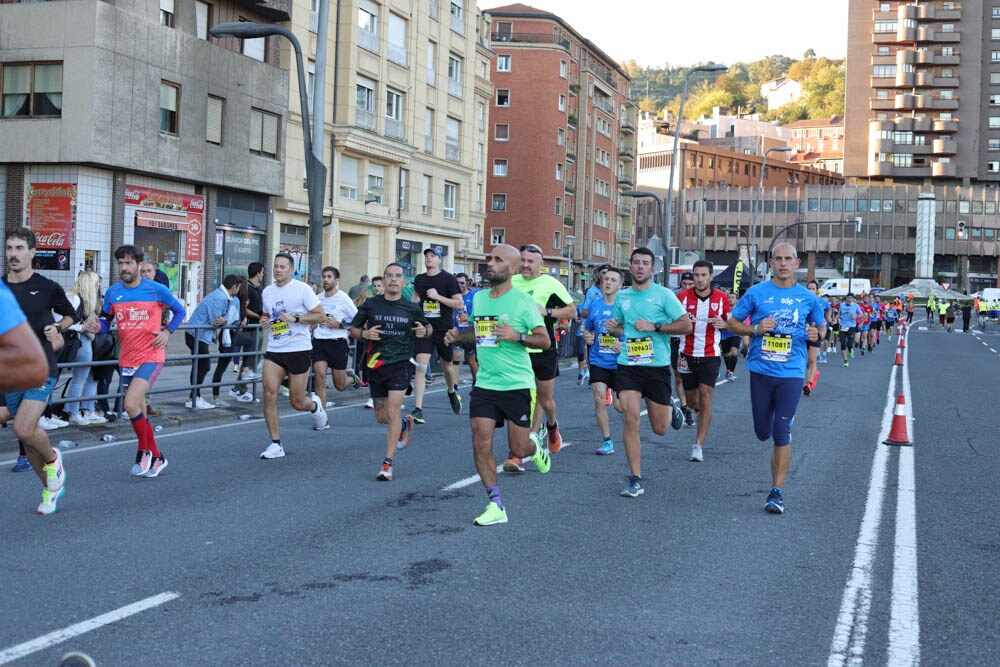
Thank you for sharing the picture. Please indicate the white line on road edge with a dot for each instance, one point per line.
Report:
(904, 617)
(852, 623)
(59, 636)
(468, 481)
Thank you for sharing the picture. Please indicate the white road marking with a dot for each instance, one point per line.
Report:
(59, 636)
(993, 351)
(468, 481)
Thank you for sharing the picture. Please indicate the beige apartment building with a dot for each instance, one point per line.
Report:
(923, 91)
(407, 95)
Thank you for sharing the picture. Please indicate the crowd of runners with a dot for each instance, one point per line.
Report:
(633, 333)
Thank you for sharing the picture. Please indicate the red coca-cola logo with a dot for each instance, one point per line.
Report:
(52, 239)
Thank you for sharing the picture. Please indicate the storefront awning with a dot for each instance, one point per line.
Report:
(178, 223)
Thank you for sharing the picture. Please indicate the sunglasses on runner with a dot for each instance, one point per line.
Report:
(531, 247)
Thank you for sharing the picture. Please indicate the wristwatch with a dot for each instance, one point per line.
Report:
(523, 338)
(296, 319)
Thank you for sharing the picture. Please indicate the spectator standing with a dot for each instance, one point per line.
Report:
(363, 284)
(213, 311)
(84, 296)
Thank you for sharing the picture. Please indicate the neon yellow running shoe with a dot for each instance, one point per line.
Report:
(541, 460)
(492, 516)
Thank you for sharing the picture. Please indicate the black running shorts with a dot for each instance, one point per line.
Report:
(513, 405)
(653, 382)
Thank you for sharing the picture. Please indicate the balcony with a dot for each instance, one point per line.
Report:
(452, 152)
(905, 79)
(604, 104)
(455, 88)
(272, 10)
(876, 145)
(365, 118)
(924, 80)
(945, 146)
(368, 40)
(397, 54)
(882, 105)
(571, 189)
(947, 81)
(625, 183)
(571, 120)
(458, 24)
(944, 104)
(924, 57)
(880, 168)
(394, 128)
(625, 154)
(943, 169)
(601, 71)
(530, 38)
(946, 126)
(623, 236)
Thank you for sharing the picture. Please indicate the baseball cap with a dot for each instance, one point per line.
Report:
(433, 250)
(687, 275)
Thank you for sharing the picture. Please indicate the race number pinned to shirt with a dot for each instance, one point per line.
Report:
(776, 347)
(639, 350)
(606, 343)
(280, 330)
(486, 331)
(432, 309)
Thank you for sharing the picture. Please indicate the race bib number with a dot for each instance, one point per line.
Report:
(776, 347)
(486, 331)
(280, 330)
(682, 364)
(606, 343)
(639, 350)
(432, 309)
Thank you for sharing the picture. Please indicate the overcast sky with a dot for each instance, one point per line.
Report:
(680, 32)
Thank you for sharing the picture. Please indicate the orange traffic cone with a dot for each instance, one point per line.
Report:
(897, 434)
(902, 342)
(899, 357)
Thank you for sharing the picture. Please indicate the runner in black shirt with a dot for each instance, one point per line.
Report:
(391, 326)
(439, 297)
(38, 297)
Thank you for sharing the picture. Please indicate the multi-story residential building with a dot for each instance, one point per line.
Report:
(562, 144)
(407, 98)
(781, 91)
(923, 91)
(128, 123)
(818, 143)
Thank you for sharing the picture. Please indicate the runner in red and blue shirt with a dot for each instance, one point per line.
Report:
(137, 305)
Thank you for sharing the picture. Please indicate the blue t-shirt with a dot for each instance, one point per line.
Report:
(891, 314)
(601, 354)
(467, 300)
(11, 314)
(849, 314)
(781, 352)
(654, 304)
(592, 296)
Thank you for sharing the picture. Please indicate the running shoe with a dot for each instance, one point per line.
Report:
(697, 456)
(143, 460)
(320, 420)
(775, 502)
(847, 364)
(513, 464)
(273, 451)
(542, 432)
(456, 401)
(159, 464)
(219, 403)
(385, 473)
(555, 440)
(541, 460)
(49, 500)
(198, 404)
(94, 417)
(688, 417)
(852, 353)
(633, 487)
(405, 433)
(78, 419)
(730, 376)
(355, 380)
(418, 415)
(22, 464)
(55, 475)
(47, 424)
(607, 397)
(580, 377)
(283, 391)
(492, 516)
(806, 390)
(862, 352)
(678, 419)
(370, 405)
(607, 448)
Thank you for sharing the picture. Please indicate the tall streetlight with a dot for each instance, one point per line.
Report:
(673, 155)
(315, 169)
(662, 223)
(756, 205)
(569, 261)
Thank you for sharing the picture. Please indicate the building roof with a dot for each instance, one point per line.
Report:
(833, 121)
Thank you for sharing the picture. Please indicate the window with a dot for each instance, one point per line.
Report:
(995, 33)
(169, 94)
(484, 69)
(993, 167)
(563, 69)
(457, 17)
(202, 18)
(560, 137)
(497, 235)
(455, 76)
(479, 202)
(883, 71)
(376, 183)
(994, 145)
(425, 196)
(556, 240)
(429, 131)
(947, 27)
(995, 78)
(503, 97)
(499, 203)
(368, 26)
(310, 82)
(994, 122)
(167, 13)
(349, 177)
(397, 40)
(431, 63)
(481, 115)
(558, 206)
(452, 140)
(394, 128)
(480, 156)
(32, 90)
(450, 197)
(499, 167)
(559, 171)
(255, 48)
(503, 63)
(501, 132)
(263, 133)
(562, 103)
(404, 181)
(213, 120)
(364, 103)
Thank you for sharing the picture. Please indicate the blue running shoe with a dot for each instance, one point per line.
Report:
(775, 502)
(608, 447)
(633, 487)
(678, 419)
(22, 465)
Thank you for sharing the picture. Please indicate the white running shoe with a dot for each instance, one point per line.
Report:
(198, 404)
(273, 451)
(143, 460)
(235, 393)
(370, 405)
(245, 398)
(78, 419)
(46, 424)
(320, 419)
(156, 467)
(94, 417)
(219, 403)
(250, 375)
(696, 454)
(58, 422)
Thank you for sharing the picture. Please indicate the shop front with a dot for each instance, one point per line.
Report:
(240, 232)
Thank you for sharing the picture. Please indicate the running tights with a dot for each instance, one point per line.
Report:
(774, 401)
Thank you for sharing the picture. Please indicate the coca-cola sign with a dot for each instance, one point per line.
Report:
(163, 200)
(51, 214)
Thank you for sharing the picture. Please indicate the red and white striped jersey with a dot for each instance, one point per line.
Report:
(704, 340)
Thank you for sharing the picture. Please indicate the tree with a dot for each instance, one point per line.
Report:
(650, 105)
(809, 54)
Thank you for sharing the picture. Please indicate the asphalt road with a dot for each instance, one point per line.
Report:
(307, 560)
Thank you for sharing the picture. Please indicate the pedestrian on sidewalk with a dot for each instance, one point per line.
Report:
(212, 312)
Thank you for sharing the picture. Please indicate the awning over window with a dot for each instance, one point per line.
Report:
(177, 223)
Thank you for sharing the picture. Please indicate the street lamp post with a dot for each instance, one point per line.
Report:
(756, 205)
(662, 223)
(673, 155)
(569, 260)
(315, 169)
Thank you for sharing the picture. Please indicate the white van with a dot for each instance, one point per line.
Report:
(990, 294)
(841, 286)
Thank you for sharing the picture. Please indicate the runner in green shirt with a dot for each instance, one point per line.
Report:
(505, 325)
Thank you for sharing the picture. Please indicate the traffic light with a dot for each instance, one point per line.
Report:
(961, 229)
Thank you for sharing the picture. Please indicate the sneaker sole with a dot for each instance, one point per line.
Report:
(324, 427)
(405, 442)
(629, 494)
(496, 522)
(383, 478)
(512, 467)
(771, 508)
(59, 496)
(276, 456)
(456, 405)
(156, 473)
